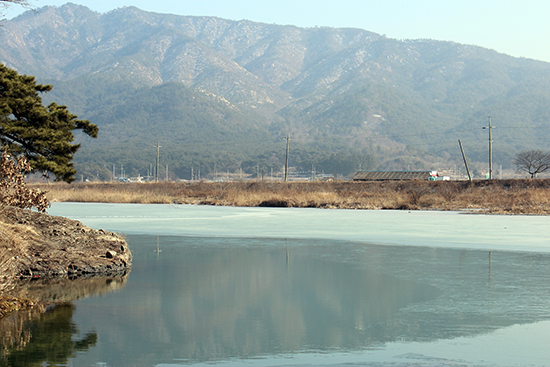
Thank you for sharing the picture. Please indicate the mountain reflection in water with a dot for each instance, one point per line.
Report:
(219, 299)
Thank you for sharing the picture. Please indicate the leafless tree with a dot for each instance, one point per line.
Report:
(532, 162)
(5, 3)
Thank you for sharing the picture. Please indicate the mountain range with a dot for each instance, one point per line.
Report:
(221, 95)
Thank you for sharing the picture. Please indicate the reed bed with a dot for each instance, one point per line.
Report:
(496, 196)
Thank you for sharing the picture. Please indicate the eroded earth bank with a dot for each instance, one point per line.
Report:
(41, 247)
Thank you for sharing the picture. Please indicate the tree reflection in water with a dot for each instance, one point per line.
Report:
(50, 339)
(48, 335)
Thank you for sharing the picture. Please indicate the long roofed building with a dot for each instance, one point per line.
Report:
(393, 175)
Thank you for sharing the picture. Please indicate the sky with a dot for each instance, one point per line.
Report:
(518, 28)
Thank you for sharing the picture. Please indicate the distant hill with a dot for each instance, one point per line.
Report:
(221, 95)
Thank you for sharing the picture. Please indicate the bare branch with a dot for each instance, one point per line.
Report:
(4, 4)
(532, 162)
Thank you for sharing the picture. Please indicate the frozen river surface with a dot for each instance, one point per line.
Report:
(309, 287)
(418, 228)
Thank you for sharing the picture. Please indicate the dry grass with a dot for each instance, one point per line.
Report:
(34, 244)
(497, 196)
(11, 239)
(110, 193)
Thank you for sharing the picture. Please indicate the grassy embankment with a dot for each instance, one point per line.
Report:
(497, 196)
(12, 237)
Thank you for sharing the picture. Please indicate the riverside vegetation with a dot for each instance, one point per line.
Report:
(518, 196)
(526, 196)
(37, 246)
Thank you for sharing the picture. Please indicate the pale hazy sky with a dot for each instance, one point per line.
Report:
(519, 28)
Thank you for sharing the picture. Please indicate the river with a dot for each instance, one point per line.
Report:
(312, 287)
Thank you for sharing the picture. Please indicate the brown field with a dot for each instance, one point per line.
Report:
(496, 196)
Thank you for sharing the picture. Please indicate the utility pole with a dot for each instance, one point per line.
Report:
(157, 170)
(490, 149)
(465, 161)
(286, 160)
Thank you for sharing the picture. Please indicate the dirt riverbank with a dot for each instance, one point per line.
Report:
(35, 246)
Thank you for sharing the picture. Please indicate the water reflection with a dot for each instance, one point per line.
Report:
(202, 299)
(44, 338)
(248, 302)
(191, 300)
(47, 334)
(68, 289)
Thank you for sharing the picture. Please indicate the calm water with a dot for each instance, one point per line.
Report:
(305, 287)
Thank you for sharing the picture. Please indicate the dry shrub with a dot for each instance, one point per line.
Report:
(506, 196)
(448, 191)
(415, 190)
(14, 190)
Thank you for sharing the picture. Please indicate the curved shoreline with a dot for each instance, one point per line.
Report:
(38, 245)
(41, 246)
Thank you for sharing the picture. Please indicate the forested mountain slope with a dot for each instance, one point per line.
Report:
(221, 94)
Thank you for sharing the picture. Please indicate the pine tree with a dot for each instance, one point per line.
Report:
(43, 134)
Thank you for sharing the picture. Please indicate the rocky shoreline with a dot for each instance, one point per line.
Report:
(36, 246)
